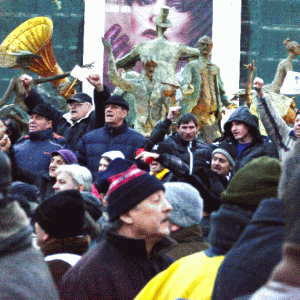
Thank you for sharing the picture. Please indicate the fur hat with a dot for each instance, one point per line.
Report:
(257, 180)
(128, 189)
(61, 215)
(186, 202)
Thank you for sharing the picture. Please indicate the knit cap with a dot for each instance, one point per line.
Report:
(186, 202)
(68, 155)
(116, 166)
(61, 215)
(255, 181)
(227, 152)
(129, 188)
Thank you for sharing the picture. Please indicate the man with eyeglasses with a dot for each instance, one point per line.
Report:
(82, 117)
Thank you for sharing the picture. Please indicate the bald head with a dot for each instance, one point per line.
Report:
(258, 83)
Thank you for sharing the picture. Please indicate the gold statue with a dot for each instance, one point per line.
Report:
(150, 105)
(165, 53)
(203, 92)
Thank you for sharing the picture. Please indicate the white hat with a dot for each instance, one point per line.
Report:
(113, 154)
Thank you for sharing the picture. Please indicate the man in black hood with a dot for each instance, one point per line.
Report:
(241, 134)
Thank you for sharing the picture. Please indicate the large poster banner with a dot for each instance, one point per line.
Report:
(130, 22)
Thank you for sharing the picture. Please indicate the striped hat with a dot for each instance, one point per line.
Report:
(129, 188)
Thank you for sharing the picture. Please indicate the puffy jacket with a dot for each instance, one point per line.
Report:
(108, 138)
(33, 151)
(195, 154)
(260, 145)
(62, 125)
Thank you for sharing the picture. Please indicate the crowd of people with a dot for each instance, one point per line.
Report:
(91, 208)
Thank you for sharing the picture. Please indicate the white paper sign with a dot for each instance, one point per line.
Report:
(81, 73)
(291, 84)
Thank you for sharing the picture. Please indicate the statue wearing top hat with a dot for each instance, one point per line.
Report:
(165, 53)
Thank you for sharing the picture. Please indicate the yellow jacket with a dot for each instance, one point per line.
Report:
(191, 277)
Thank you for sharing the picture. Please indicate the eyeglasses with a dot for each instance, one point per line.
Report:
(75, 104)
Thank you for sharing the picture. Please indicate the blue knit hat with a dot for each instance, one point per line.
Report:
(128, 189)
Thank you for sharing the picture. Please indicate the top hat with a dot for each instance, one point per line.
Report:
(162, 20)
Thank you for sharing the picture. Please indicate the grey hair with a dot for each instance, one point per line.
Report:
(80, 175)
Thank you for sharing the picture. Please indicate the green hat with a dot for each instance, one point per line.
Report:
(254, 182)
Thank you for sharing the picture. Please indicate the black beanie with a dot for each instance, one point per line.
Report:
(129, 188)
(254, 182)
(61, 215)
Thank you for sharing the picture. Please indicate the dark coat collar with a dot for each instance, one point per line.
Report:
(136, 247)
(41, 135)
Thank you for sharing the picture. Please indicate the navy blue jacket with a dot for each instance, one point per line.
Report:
(249, 263)
(107, 138)
(33, 152)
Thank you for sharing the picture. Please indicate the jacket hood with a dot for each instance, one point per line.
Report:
(243, 114)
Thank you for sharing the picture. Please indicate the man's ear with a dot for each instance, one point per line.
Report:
(49, 125)
(80, 187)
(125, 111)
(46, 237)
(126, 218)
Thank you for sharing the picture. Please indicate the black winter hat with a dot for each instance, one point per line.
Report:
(81, 98)
(28, 196)
(61, 215)
(162, 148)
(128, 189)
(43, 109)
(118, 100)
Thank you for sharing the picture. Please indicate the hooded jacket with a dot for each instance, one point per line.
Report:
(260, 145)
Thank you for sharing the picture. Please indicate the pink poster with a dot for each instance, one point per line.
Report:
(130, 22)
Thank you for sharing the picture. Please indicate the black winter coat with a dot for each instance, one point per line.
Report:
(260, 145)
(73, 131)
(115, 269)
(195, 154)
